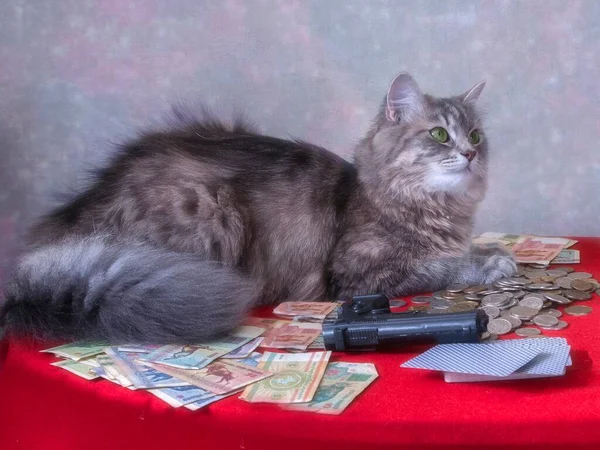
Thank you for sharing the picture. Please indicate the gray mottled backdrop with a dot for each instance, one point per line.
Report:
(78, 76)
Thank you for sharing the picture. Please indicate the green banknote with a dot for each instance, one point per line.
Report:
(295, 377)
(341, 384)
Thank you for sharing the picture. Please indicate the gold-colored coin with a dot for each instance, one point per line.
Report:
(578, 310)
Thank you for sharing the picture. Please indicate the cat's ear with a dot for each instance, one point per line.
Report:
(472, 94)
(404, 98)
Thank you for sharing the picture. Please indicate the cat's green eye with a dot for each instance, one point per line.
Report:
(474, 137)
(439, 134)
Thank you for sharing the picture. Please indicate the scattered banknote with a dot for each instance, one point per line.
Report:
(567, 257)
(194, 397)
(305, 310)
(110, 368)
(182, 395)
(261, 322)
(293, 335)
(219, 377)
(138, 348)
(140, 377)
(537, 250)
(508, 240)
(341, 384)
(77, 350)
(79, 369)
(245, 350)
(295, 377)
(200, 355)
(504, 239)
(317, 344)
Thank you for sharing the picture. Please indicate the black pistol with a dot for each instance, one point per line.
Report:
(366, 323)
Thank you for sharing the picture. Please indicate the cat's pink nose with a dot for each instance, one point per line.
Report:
(470, 154)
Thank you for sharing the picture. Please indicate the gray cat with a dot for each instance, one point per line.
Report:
(186, 230)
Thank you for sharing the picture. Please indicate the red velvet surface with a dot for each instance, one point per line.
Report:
(44, 407)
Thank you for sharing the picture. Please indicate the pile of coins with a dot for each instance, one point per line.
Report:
(523, 303)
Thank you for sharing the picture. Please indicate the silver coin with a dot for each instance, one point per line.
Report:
(564, 282)
(499, 326)
(456, 288)
(551, 312)
(440, 303)
(563, 300)
(537, 286)
(514, 322)
(473, 297)
(421, 300)
(560, 325)
(397, 303)
(545, 321)
(491, 292)
(557, 272)
(491, 311)
(535, 295)
(495, 299)
(572, 294)
(535, 274)
(523, 312)
(520, 294)
(552, 287)
(579, 275)
(578, 310)
(513, 302)
(532, 302)
(437, 294)
(526, 332)
(567, 269)
(582, 285)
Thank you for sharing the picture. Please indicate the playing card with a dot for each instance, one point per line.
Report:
(480, 359)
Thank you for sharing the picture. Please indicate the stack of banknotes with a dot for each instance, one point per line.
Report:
(533, 249)
(194, 376)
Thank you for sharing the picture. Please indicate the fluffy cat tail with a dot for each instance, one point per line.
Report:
(91, 288)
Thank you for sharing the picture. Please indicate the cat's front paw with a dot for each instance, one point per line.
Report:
(499, 265)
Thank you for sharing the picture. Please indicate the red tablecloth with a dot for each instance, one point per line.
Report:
(44, 407)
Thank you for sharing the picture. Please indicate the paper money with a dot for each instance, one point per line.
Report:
(219, 377)
(111, 369)
(571, 243)
(82, 370)
(504, 239)
(200, 355)
(567, 257)
(305, 310)
(341, 384)
(245, 350)
(295, 380)
(261, 322)
(508, 240)
(138, 348)
(77, 350)
(294, 335)
(141, 377)
(537, 250)
(194, 397)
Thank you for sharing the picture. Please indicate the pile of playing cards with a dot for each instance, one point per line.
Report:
(513, 359)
